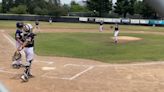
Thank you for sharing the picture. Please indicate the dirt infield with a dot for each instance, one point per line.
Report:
(61, 74)
(125, 39)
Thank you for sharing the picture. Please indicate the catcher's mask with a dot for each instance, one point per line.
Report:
(28, 28)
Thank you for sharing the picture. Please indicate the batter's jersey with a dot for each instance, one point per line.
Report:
(19, 35)
(30, 39)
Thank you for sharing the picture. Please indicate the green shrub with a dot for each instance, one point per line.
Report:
(20, 9)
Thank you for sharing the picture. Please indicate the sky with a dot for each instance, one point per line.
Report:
(67, 1)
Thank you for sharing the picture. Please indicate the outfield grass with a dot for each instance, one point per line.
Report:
(97, 46)
(100, 46)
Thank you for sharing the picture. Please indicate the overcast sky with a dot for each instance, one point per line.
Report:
(67, 1)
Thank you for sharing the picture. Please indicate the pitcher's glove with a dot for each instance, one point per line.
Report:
(17, 55)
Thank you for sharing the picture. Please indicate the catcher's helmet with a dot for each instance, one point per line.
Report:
(19, 24)
(28, 28)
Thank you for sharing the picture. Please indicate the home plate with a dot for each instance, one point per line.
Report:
(48, 68)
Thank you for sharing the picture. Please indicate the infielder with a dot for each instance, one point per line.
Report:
(50, 20)
(101, 26)
(116, 32)
(19, 41)
(28, 46)
(37, 24)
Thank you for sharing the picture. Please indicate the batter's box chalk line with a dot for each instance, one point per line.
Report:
(74, 76)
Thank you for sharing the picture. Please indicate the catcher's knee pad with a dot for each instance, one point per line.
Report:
(16, 66)
(28, 63)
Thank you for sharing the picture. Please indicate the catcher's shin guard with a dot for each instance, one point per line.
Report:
(24, 77)
(27, 69)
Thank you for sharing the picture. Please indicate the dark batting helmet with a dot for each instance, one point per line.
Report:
(19, 24)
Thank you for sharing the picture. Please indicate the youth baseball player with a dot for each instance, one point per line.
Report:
(19, 41)
(36, 27)
(37, 24)
(28, 46)
(50, 20)
(116, 32)
(101, 26)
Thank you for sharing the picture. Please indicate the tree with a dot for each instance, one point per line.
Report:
(124, 7)
(75, 7)
(1, 7)
(40, 11)
(20, 9)
(66, 7)
(148, 12)
(41, 7)
(101, 6)
(144, 10)
(6, 5)
(138, 6)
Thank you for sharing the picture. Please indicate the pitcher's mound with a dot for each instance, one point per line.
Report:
(123, 39)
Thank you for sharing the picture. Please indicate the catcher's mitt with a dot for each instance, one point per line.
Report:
(17, 55)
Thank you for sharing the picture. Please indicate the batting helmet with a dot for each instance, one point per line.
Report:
(19, 24)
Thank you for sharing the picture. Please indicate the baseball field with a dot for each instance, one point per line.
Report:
(76, 57)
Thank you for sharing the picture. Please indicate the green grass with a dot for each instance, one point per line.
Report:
(100, 46)
(97, 46)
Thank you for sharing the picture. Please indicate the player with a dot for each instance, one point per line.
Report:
(37, 24)
(116, 32)
(50, 20)
(28, 46)
(19, 41)
(101, 26)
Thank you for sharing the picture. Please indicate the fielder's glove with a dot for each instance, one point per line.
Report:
(17, 55)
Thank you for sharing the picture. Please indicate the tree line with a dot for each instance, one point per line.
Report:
(39, 7)
(122, 8)
(97, 8)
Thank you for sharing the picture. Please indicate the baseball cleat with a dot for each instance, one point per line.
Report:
(24, 78)
(30, 75)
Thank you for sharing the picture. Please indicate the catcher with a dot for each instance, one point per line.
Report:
(19, 41)
(28, 47)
